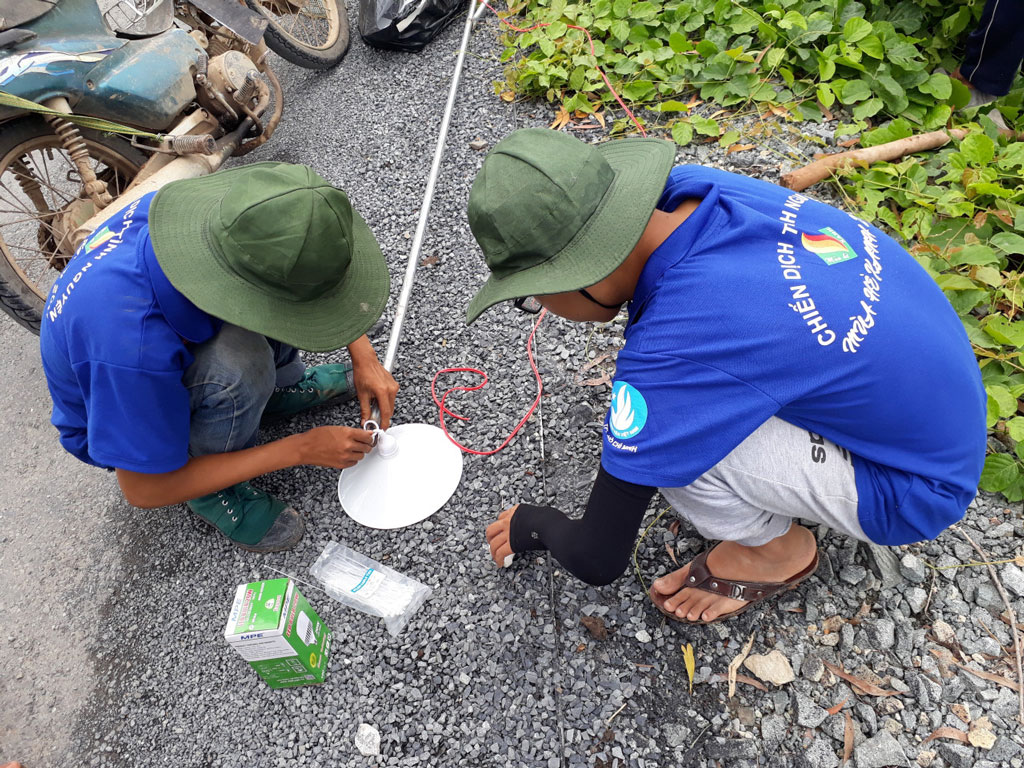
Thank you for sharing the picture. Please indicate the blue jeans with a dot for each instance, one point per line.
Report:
(996, 47)
(229, 382)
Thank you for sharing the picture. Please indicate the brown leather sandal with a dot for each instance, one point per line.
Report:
(751, 591)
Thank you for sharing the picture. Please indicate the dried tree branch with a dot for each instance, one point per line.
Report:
(1013, 621)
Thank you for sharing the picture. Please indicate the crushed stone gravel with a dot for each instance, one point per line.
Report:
(497, 669)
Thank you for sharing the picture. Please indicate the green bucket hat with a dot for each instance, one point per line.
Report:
(554, 214)
(275, 249)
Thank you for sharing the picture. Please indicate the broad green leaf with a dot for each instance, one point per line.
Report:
(960, 96)
(868, 108)
(621, 8)
(556, 30)
(826, 68)
(729, 138)
(826, 96)
(989, 276)
(978, 148)
(872, 46)
(855, 90)
(1000, 470)
(937, 116)
(1007, 402)
(706, 48)
(1008, 242)
(1015, 428)
(671, 106)
(1005, 331)
(856, 29)
(976, 254)
(678, 42)
(938, 85)
(953, 282)
(793, 19)
(991, 411)
(1012, 156)
(682, 133)
(705, 126)
(637, 90)
(891, 131)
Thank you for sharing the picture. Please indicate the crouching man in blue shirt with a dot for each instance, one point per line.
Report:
(783, 360)
(173, 332)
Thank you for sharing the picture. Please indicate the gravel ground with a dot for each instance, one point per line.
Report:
(497, 668)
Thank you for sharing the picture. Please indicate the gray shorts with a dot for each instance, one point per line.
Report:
(778, 474)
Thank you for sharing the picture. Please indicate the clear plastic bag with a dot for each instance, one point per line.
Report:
(364, 584)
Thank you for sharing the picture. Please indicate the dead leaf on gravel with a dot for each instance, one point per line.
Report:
(772, 667)
(596, 361)
(742, 679)
(991, 677)
(834, 710)
(734, 665)
(739, 148)
(689, 662)
(599, 116)
(861, 685)
(602, 379)
(562, 118)
(595, 625)
(673, 528)
(946, 732)
(671, 553)
(847, 738)
(961, 711)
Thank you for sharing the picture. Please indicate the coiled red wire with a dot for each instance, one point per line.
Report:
(442, 410)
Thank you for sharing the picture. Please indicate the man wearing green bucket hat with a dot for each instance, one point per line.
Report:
(174, 330)
(783, 361)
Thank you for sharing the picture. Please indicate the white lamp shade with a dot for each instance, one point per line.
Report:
(404, 482)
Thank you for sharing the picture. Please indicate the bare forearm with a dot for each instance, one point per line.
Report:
(208, 474)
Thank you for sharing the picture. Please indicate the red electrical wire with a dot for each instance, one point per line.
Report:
(593, 52)
(529, 343)
(442, 410)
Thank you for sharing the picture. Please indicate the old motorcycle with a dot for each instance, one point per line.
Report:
(191, 79)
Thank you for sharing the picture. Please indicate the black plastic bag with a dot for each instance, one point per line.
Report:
(406, 25)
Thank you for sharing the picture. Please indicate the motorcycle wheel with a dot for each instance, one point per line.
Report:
(38, 182)
(311, 33)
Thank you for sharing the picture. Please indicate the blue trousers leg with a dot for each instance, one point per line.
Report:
(995, 48)
(229, 383)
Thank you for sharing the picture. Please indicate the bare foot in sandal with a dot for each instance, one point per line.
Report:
(770, 568)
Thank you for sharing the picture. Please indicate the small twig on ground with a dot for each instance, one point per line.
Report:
(931, 591)
(801, 178)
(1013, 622)
(617, 713)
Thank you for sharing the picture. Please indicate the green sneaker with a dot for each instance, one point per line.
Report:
(319, 385)
(250, 518)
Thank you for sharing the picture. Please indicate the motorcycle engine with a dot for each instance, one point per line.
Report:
(227, 74)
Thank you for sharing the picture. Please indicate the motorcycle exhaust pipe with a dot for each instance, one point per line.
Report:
(184, 167)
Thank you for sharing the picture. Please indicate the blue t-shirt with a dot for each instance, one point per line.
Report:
(767, 303)
(113, 342)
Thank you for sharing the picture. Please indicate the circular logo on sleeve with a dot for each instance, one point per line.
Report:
(628, 413)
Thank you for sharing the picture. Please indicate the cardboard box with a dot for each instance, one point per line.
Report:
(274, 628)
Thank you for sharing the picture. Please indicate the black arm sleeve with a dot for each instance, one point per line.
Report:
(596, 547)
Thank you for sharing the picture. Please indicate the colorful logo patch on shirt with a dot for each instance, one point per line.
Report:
(628, 413)
(829, 245)
(98, 239)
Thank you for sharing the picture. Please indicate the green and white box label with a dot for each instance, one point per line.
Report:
(275, 629)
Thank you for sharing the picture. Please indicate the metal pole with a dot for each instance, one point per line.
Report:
(475, 10)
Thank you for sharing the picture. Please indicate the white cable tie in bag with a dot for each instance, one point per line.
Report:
(362, 583)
